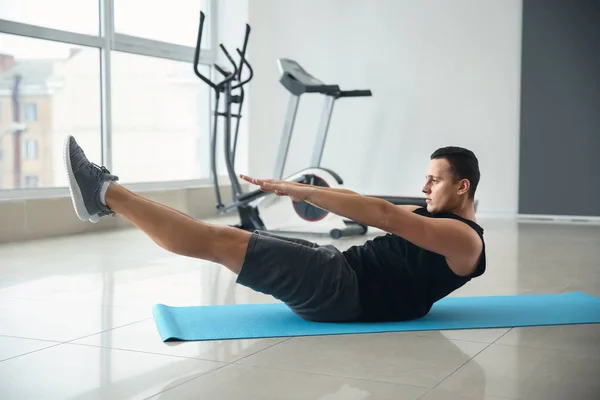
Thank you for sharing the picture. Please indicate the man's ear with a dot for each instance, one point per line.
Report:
(463, 186)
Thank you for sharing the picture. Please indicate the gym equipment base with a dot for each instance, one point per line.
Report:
(244, 321)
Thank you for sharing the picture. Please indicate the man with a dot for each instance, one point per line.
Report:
(426, 253)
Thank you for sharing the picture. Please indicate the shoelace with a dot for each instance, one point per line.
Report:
(98, 171)
(107, 212)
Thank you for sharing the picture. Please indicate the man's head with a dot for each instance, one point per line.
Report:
(452, 179)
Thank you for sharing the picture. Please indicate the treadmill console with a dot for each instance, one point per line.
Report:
(295, 79)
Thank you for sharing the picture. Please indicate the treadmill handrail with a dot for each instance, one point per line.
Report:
(356, 93)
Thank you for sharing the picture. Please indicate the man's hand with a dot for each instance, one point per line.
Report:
(296, 191)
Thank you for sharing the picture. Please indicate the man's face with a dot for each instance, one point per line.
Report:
(441, 191)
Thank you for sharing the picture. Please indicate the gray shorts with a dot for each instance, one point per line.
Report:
(314, 281)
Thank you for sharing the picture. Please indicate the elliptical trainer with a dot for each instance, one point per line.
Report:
(259, 210)
(250, 219)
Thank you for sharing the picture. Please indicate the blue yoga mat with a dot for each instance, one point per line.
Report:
(276, 320)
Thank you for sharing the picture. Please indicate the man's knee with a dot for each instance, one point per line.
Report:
(229, 247)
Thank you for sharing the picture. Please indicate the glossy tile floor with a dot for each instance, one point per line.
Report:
(75, 323)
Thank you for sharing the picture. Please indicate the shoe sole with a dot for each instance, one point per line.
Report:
(74, 190)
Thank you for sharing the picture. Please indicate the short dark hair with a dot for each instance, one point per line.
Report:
(463, 164)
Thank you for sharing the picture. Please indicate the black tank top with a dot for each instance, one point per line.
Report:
(399, 280)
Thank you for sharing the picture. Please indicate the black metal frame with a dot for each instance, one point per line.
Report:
(249, 216)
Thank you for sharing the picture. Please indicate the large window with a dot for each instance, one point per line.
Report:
(116, 74)
(172, 22)
(159, 119)
(80, 16)
(47, 90)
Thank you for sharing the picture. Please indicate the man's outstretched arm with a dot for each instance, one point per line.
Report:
(450, 238)
(453, 239)
(329, 189)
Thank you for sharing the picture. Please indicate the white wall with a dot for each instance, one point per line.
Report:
(442, 73)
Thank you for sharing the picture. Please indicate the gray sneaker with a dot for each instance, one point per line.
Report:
(85, 183)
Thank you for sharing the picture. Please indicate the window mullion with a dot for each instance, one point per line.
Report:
(107, 33)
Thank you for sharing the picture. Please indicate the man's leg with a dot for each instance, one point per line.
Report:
(303, 242)
(315, 282)
(95, 194)
(179, 233)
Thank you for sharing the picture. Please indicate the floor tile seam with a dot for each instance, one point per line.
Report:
(87, 304)
(329, 375)
(226, 364)
(468, 361)
(56, 344)
(266, 348)
(550, 350)
(457, 340)
(188, 381)
(463, 364)
(169, 355)
(106, 330)
(146, 352)
(31, 338)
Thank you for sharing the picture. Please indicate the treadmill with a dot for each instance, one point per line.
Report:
(298, 81)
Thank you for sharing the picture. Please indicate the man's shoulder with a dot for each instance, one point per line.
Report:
(448, 215)
(458, 238)
(411, 208)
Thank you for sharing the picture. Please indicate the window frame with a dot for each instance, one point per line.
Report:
(108, 41)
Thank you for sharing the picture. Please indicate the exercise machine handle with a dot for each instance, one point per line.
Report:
(243, 52)
(228, 77)
(251, 71)
(355, 93)
(221, 70)
(235, 68)
(197, 54)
